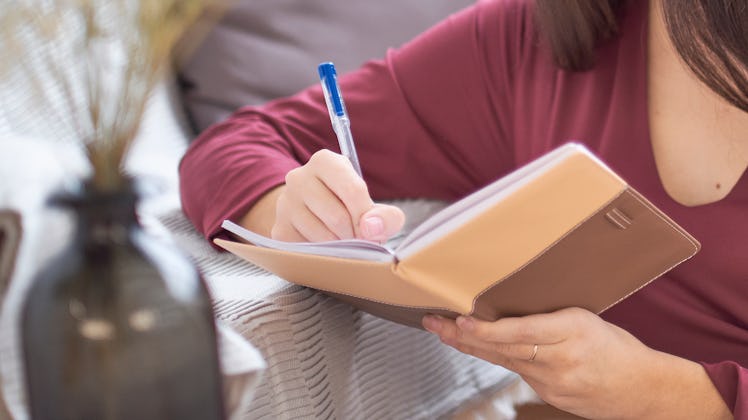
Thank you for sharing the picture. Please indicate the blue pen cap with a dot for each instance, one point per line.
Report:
(329, 77)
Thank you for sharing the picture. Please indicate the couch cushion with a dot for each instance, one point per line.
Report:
(264, 49)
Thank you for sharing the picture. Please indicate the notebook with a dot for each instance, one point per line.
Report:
(563, 230)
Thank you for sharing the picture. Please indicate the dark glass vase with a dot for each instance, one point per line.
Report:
(119, 326)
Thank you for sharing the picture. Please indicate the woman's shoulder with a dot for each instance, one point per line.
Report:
(507, 31)
(514, 27)
(510, 8)
(486, 30)
(492, 28)
(510, 17)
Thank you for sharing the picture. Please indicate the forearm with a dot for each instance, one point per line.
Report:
(678, 388)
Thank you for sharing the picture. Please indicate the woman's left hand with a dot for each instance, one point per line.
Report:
(572, 358)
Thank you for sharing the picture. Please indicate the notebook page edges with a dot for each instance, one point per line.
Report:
(372, 281)
(348, 248)
(464, 210)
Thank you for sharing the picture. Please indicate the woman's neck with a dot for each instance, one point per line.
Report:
(699, 141)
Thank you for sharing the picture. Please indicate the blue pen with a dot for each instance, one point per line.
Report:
(341, 124)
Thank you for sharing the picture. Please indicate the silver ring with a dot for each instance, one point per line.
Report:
(534, 353)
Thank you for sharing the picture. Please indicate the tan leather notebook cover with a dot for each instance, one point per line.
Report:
(563, 231)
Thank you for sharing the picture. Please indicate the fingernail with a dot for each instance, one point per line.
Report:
(465, 323)
(373, 227)
(431, 323)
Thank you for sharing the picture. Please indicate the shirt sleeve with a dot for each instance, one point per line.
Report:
(428, 121)
(731, 380)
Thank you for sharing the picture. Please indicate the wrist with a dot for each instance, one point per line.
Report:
(679, 388)
(261, 217)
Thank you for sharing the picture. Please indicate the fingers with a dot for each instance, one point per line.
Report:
(338, 175)
(511, 342)
(547, 328)
(381, 222)
(521, 365)
(287, 233)
(327, 200)
(300, 224)
(328, 211)
(512, 338)
(451, 333)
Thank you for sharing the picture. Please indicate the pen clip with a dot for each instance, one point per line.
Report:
(329, 78)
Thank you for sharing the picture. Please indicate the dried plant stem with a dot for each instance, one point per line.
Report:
(106, 100)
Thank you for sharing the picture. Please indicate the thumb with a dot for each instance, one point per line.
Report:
(381, 222)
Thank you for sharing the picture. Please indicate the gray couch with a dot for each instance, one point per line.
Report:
(265, 49)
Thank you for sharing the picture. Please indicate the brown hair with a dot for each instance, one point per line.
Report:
(711, 37)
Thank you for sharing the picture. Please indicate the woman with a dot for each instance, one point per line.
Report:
(657, 89)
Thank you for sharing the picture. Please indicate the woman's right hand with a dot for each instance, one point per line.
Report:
(325, 200)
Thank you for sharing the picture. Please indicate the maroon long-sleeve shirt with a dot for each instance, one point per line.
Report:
(467, 102)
